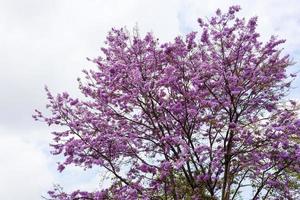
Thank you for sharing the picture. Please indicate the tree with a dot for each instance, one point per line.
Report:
(203, 117)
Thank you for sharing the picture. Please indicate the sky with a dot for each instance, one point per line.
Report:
(46, 42)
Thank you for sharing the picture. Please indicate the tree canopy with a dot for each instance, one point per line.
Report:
(203, 117)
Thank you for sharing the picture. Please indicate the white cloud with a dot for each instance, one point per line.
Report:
(73, 178)
(24, 169)
(46, 42)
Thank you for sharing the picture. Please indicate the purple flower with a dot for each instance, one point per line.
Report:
(168, 119)
(232, 125)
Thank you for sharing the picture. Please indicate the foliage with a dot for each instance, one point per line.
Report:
(202, 117)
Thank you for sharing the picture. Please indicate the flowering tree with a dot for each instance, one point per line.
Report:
(203, 117)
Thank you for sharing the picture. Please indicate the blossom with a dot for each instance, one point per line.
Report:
(186, 119)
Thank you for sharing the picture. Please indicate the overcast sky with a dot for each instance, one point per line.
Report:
(46, 42)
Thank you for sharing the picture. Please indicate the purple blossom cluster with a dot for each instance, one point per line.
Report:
(202, 117)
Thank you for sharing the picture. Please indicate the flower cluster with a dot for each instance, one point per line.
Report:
(201, 117)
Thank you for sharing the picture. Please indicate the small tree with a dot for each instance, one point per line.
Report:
(199, 118)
